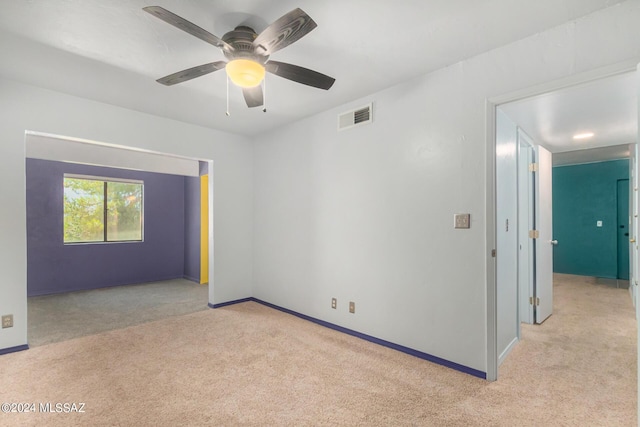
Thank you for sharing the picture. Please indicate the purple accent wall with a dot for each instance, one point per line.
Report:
(192, 228)
(53, 267)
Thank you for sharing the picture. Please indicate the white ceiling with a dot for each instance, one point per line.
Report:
(112, 51)
(607, 107)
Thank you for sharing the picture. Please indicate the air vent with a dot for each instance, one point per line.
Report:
(357, 117)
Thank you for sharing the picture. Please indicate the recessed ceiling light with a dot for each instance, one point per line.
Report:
(583, 135)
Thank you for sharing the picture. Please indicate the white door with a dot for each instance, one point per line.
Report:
(544, 242)
(526, 206)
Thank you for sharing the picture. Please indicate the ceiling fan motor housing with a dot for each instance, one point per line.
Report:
(241, 39)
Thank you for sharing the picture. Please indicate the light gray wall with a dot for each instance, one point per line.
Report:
(24, 107)
(47, 147)
(366, 215)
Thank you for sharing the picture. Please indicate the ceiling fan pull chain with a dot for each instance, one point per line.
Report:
(227, 113)
(264, 91)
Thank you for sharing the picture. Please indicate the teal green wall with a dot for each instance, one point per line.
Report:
(582, 195)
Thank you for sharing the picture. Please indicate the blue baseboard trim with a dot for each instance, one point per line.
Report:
(224, 304)
(388, 344)
(14, 349)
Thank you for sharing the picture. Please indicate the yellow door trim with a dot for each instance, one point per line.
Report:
(204, 229)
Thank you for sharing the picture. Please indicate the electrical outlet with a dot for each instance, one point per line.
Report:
(7, 321)
(334, 303)
(462, 220)
(352, 307)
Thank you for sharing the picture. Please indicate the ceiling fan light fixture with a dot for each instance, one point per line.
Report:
(245, 72)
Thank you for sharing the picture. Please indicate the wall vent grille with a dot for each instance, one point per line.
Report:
(356, 117)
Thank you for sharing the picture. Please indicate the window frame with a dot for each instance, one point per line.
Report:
(105, 180)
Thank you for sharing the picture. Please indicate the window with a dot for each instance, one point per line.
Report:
(100, 209)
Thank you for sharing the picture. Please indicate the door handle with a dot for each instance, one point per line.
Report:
(553, 242)
(632, 240)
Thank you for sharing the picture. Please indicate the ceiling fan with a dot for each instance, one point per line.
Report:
(248, 53)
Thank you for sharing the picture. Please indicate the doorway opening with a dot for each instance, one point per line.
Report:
(549, 108)
(82, 288)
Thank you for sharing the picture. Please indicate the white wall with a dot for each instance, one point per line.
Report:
(506, 233)
(47, 147)
(366, 214)
(24, 107)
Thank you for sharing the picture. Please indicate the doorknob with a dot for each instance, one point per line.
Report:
(553, 242)
(632, 240)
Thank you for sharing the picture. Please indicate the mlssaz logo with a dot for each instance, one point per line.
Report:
(64, 408)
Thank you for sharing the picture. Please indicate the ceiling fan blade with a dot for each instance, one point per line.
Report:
(191, 73)
(300, 74)
(184, 25)
(286, 30)
(253, 96)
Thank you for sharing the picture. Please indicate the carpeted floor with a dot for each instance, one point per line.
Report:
(251, 365)
(60, 317)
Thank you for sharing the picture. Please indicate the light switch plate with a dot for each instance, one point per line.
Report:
(7, 321)
(352, 307)
(462, 220)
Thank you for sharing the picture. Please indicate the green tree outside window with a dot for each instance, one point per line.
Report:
(89, 205)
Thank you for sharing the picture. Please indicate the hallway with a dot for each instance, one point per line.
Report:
(584, 355)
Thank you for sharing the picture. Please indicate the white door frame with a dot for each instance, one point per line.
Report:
(634, 198)
(633, 233)
(490, 114)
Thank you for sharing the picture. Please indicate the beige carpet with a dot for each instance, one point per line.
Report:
(251, 365)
